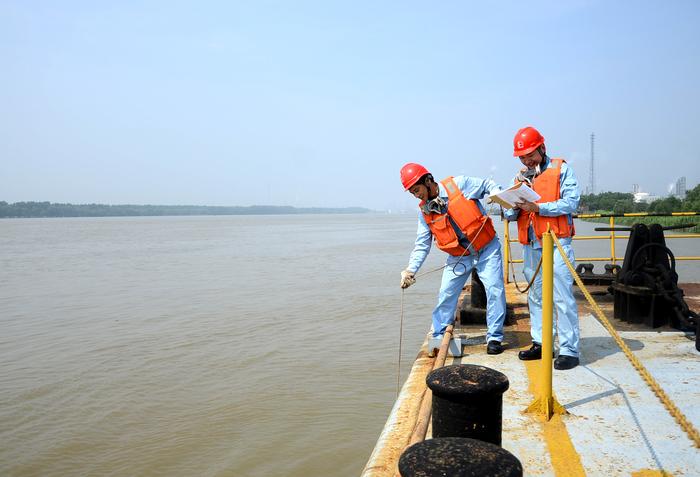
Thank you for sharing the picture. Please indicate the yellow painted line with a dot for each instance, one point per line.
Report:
(565, 460)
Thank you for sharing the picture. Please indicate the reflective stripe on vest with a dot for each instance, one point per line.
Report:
(548, 187)
(468, 217)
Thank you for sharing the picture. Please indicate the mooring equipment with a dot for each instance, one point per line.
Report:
(458, 456)
(646, 288)
(473, 310)
(467, 402)
(589, 277)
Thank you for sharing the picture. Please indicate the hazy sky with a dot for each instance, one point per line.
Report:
(321, 103)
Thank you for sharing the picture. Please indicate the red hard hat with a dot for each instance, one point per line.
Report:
(526, 140)
(410, 173)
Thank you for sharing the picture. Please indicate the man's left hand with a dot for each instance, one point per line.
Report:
(407, 279)
(528, 206)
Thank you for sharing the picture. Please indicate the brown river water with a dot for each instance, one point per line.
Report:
(209, 346)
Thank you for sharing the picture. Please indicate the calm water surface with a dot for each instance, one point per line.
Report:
(246, 346)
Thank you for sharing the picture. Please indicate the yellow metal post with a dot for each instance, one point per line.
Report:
(506, 249)
(546, 404)
(612, 239)
(547, 318)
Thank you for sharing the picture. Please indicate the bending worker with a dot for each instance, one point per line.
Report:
(450, 213)
(555, 182)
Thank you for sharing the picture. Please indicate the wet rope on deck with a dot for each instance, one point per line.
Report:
(680, 418)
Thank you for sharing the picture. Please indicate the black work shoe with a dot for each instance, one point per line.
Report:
(565, 362)
(494, 347)
(535, 352)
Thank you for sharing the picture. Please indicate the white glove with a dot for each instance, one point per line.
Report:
(528, 175)
(520, 176)
(407, 279)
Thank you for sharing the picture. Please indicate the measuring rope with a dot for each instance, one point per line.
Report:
(459, 259)
(398, 369)
(512, 269)
(680, 418)
(459, 262)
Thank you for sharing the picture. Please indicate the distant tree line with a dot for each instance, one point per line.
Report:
(620, 203)
(48, 209)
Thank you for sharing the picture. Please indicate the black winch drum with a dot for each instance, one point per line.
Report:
(458, 457)
(467, 402)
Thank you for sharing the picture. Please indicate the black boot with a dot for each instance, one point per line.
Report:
(494, 347)
(535, 352)
(565, 362)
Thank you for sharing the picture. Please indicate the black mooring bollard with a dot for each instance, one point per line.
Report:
(474, 310)
(458, 457)
(468, 402)
(478, 295)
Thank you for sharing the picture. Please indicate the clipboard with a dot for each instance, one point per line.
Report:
(520, 192)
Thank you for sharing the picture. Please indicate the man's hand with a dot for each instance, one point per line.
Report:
(407, 279)
(520, 178)
(528, 206)
(524, 176)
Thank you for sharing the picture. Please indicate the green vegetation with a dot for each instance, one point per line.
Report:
(610, 202)
(48, 209)
(664, 221)
(620, 203)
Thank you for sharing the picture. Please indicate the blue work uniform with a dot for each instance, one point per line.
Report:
(565, 307)
(488, 263)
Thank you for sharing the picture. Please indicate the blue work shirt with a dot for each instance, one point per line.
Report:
(472, 188)
(566, 205)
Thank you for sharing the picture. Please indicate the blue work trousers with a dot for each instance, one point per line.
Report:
(489, 266)
(565, 310)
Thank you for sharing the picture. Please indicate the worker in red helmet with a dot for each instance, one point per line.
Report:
(451, 214)
(554, 180)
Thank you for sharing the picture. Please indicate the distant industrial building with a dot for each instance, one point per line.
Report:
(676, 190)
(644, 197)
(680, 188)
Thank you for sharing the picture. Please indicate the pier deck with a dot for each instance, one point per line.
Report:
(615, 424)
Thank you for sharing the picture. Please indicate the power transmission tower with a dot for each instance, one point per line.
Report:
(591, 175)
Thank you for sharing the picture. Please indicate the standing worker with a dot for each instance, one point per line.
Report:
(451, 213)
(555, 182)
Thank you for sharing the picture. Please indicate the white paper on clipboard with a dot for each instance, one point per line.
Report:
(518, 193)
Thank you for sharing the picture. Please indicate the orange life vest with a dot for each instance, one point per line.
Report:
(475, 226)
(547, 186)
